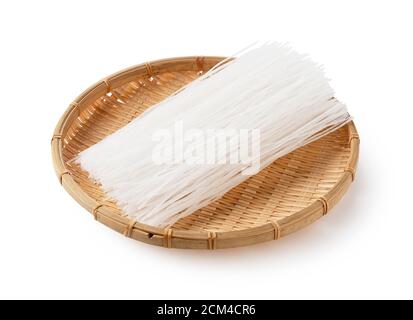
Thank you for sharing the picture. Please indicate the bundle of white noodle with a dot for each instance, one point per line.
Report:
(193, 147)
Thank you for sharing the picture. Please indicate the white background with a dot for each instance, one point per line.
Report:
(51, 51)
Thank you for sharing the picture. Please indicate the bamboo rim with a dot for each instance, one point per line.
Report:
(170, 237)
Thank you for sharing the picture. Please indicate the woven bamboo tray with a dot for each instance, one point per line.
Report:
(289, 194)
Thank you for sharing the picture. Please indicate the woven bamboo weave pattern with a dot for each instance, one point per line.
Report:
(289, 194)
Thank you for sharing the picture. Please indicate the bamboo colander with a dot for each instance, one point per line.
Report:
(291, 193)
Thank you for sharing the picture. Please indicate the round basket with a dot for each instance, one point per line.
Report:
(291, 193)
